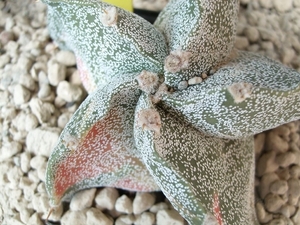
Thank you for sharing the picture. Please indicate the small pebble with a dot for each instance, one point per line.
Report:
(21, 95)
(279, 187)
(125, 219)
(266, 3)
(288, 54)
(285, 159)
(287, 210)
(283, 173)
(9, 149)
(63, 119)
(25, 161)
(106, 198)
(166, 216)
(41, 141)
(124, 204)
(42, 110)
(183, 85)
(277, 221)
(69, 92)
(44, 91)
(275, 143)
(194, 80)
(4, 59)
(295, 171)
(24, 63)
(75, 78)
(265, 183)
(35, 220)
(294, 187)
(56, 72)
(241, 43)
(95, 216)
(142, 202)
(283, 6)
(59, 102)
(159, 206)
(25, 215)
(6, 36)
(273, 202)
(266, 164)
(73, 218)
(296, 217)
(252, 33)
(204, 75)
(37, 161)
(31, 122)
(146, 218)
(261, 213)
(83, 199)
(66, 58)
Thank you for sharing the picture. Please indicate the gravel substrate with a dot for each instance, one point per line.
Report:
(40, 89)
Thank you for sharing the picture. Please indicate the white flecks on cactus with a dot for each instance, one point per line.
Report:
(109, 16)
(177, 60)
(212, 157)
(209, 107)
(148, 82)
(102, 126)
(240, 91)
(149, 119)
(205, 176)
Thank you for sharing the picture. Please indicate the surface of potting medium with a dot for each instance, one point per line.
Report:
(36, 104)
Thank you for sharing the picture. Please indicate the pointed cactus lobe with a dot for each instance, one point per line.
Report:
(207, 179)
(206, 29)
(248, 95)
(109, 41)
(97, 146)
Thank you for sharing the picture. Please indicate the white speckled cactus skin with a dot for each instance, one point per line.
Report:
(156, 117)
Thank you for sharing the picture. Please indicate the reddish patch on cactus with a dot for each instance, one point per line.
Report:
(98, 152)
(217, 209)
(86, 161)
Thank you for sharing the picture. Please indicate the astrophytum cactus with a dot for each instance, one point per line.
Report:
(171, 106)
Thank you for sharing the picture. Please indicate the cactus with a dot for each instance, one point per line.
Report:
(171, 106)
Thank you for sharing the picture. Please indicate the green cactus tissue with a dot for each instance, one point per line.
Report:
(171, 106)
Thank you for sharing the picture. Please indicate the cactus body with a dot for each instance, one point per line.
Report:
(156, 117)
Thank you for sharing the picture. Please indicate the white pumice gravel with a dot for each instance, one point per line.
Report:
(83, 199)
(106, 198)
(142, 202)
(36, 79)
(124, 204)
(168, 216)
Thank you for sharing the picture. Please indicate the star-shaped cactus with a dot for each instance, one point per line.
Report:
(171, 106)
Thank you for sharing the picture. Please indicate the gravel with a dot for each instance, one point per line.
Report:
(34, 107)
